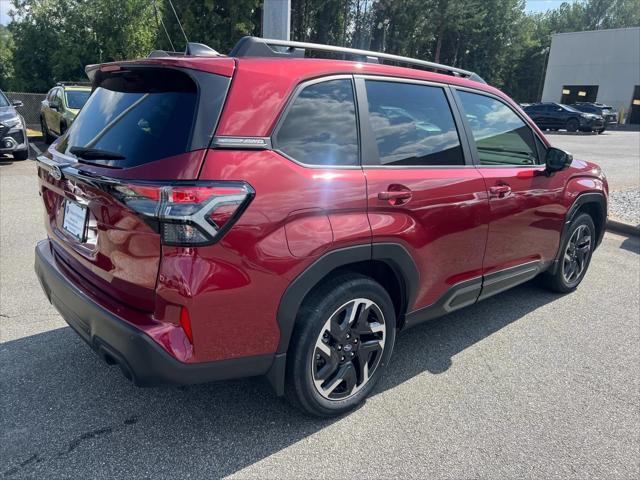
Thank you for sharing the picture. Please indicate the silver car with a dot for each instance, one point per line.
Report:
(13, 130)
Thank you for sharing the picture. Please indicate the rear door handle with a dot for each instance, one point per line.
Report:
(499, 191)
(398, 196)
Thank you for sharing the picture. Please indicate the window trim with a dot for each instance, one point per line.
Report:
(372, 159)
(471, 139)
(285, 111)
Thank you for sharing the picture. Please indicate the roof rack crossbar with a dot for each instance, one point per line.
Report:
(263, 47)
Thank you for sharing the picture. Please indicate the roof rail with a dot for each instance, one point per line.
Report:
(264, 47)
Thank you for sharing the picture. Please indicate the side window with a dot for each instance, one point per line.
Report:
(412, 124)
(501, 137)
(320, 126)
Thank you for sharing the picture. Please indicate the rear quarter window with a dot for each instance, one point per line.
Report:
(319, 127)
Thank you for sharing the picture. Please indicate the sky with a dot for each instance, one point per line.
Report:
(542, 5)
(532, 6)
(4, 11)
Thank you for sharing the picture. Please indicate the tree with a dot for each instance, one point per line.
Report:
(216, 23)
(55, 40)
(6, 58)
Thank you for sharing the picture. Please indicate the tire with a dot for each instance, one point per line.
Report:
(46, 136)
(572, 125)
(574, 251)
(601, 131)
(329, 371)
(21, 154)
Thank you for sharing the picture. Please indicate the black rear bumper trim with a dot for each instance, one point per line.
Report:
(140, 358)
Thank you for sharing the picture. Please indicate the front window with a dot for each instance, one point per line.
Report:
(570, 109)
(501, 137)
(4, 102)
(77, 98)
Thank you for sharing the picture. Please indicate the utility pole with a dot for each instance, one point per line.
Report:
(276, 19)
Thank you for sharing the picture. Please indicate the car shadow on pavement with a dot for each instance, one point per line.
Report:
(65, 413)
(631, 244)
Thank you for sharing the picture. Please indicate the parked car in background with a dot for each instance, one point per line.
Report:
(557, 116)
(261, 213)
(60, 108)
(13, 130)
(607, 112)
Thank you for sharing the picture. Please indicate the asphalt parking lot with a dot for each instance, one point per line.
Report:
(527, 384)
(617, 152)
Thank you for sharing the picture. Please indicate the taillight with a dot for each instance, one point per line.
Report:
(188, 214)
(185, 323)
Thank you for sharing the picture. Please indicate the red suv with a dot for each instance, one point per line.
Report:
(263, 213)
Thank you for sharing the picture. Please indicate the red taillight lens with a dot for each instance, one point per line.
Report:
(188, 215)
(185, 323)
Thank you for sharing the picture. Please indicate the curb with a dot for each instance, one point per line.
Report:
(622, 227)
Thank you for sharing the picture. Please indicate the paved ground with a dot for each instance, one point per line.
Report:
(617, 152)
(528, 384)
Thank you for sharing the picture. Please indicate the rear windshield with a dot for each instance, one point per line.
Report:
(77, 98)
(142, 115)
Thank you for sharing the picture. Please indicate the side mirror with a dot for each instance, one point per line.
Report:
(557, 160)
(17, 103)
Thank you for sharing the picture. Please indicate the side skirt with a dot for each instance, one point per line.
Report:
(471, 291)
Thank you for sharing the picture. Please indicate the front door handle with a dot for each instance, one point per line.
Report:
(396, 195)
(499, 191)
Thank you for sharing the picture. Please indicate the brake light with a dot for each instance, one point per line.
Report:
(191, 214)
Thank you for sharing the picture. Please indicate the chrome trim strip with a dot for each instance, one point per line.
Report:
(253, 143)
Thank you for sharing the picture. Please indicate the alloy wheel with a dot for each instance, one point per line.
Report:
(348, 349)
(576, 254)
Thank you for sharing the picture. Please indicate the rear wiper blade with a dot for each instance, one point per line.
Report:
(95, 154)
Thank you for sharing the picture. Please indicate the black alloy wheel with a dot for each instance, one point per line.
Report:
(348, 349)
(572, 125)
(576, 254)
(342, 340)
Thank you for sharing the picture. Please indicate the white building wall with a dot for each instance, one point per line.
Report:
(607, 58)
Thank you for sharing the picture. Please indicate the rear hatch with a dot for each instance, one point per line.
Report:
(145, 126)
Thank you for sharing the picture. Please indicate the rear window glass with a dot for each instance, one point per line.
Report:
(413, 125)
(320, 127)
(141, 116)
(77, 98)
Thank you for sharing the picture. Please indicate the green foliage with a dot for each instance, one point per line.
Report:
(216, 23)
(53, 40)
(6, 58)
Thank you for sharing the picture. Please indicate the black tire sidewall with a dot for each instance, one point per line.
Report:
(313, 316)
(571, 123)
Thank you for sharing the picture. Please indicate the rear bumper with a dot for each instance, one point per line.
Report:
(139, 357)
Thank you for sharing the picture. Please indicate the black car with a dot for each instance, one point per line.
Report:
(607, 112)
(557, 116)
(13, 132)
